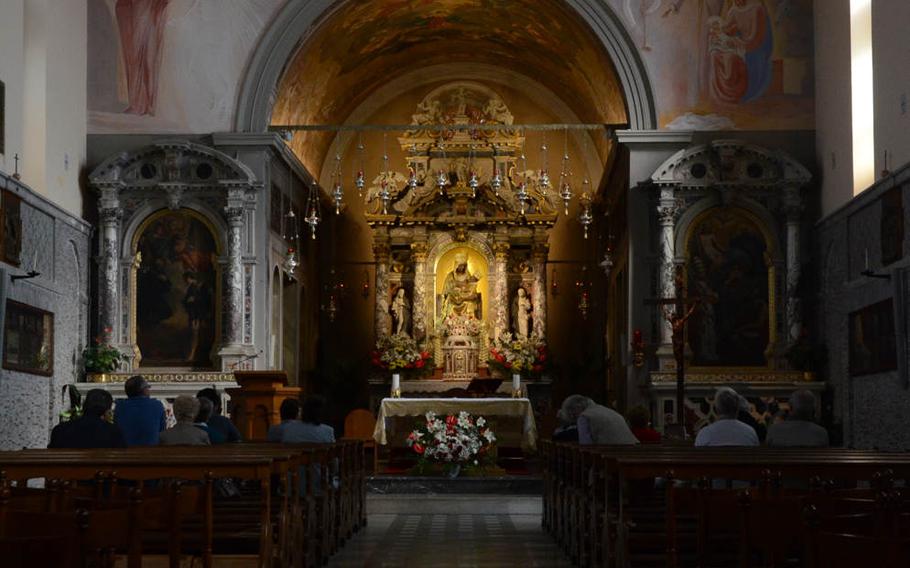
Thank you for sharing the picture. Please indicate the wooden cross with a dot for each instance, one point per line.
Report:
(677, 311)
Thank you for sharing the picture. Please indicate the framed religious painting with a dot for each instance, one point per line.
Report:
(728, 268)
(873, 346)
(28, 339)
(176, 290)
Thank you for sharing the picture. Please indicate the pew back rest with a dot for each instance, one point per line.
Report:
(359, 424)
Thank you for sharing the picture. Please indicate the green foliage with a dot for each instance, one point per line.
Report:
(101, 357)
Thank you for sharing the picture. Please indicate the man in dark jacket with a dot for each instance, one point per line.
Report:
(93, 429)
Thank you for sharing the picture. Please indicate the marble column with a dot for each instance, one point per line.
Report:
(501, 289)
(793, 209)
(383, 324)
(539, 255)
(233, 293)
(667, 210)
(110, 270)
(419, 305)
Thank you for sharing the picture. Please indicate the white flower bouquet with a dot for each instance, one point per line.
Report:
(453, 440)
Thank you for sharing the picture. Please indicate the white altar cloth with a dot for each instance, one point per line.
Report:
(442, 406)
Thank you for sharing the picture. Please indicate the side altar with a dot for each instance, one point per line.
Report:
(460, 236)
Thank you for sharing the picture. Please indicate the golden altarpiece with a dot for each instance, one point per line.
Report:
(460, 236)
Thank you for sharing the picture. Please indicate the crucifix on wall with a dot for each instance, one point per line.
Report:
(677, 311)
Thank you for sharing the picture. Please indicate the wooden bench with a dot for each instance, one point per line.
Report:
(595, 496)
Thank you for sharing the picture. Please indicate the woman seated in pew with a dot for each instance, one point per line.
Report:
(218, 421)
(94, 429)
(639, 421)
(726, 430)
(799, 430)
(289, 412)
(185, 432)
(202, 417)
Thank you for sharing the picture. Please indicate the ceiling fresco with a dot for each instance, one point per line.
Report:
(365, 45)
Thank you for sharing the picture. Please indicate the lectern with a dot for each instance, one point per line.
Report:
(255, 405)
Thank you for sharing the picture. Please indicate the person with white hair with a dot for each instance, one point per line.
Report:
(185, 432)
(726, 430)
(596, 424)
(568, 414)
(799, 429)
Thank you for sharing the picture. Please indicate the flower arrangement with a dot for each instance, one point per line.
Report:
(511, 355)
(399, 353)
(462, 326)
(101, 357)
(454, 440)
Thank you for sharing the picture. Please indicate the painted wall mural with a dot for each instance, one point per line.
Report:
(176, 288)
(726, 64)
(169, 65)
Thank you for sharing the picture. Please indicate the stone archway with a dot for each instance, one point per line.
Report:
(300, 19)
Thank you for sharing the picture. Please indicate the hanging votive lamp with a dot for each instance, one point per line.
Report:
(496, 182)
(442, 180)
(384, 196)
(338, 197)
(544, 182)
(312, 214)
(566, 195)
(522, 195)
(412, 178)
(290, 262)
(473, 183)
(586, 218)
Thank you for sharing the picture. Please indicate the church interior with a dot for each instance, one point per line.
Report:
(454, 282)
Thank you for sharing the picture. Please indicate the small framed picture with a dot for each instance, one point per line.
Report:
(28, 339)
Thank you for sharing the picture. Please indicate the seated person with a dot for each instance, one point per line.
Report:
(202, 417)
(140, 417)
(568, 414)
(218, 422)
(309, 429)
(745, 416)
(598, 424)
(290, 412)
(641, 427)
(727, 430)
(91, 430)
(799, 429)
(185, 432)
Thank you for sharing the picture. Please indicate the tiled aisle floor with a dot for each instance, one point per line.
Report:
(437, 539)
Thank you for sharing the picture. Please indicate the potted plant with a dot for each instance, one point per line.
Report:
(101, 357)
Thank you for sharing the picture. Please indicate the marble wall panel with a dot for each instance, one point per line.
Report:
(58, 245)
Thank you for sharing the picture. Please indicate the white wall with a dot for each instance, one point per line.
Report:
(834, 146)
(43, 63)
(891, 65)
(891, 70)
(11, 72)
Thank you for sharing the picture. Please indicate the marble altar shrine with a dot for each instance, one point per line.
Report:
(461, 230)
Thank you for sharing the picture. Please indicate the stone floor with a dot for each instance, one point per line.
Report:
(451, 530)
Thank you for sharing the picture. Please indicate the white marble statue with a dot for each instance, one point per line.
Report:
(521, 314)
(401, 313)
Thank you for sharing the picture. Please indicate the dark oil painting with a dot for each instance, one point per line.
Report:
(175, 287)
(873, 347)
(727, 270)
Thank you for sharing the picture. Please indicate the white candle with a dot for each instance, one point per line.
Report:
(396, 384)
(516, 382)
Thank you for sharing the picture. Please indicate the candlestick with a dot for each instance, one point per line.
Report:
(516, 385)
(396, 385)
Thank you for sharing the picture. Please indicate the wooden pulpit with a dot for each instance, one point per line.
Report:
(255, 405)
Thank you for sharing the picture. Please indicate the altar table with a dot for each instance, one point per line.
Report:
(486, 407)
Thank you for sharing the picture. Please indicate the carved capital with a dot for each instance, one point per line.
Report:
(501, 251)
(381, 252)
(110, 216)
(234, 215)
(419, 251)
(792, 205)
(667, 212)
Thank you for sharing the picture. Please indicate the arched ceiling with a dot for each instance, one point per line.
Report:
(364, 45)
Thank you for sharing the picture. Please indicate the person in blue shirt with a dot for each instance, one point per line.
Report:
(91, 430)
(289, 412)
(140, 418)
(309, 429)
